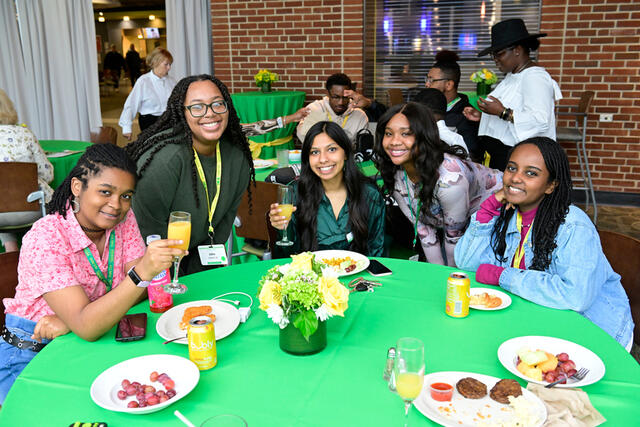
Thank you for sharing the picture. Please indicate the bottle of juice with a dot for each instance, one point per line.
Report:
(159, 300)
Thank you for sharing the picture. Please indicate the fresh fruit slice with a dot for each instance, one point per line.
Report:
(549, 364)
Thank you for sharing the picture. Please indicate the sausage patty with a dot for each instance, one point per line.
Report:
(471, 388)
(505, 388)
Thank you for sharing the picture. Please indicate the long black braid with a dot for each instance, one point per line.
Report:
(96, 158)
(551, 213)
(172, 128)
(427, 152)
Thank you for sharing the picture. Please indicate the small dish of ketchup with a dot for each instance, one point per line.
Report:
(442, 392)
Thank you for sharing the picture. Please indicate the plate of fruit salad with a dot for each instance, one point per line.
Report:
(145, 384)
(543, 360)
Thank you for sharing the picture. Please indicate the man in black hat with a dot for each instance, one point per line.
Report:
(522, 105)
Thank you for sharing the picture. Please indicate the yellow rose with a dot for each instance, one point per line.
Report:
(336, 296)
(301, 262)
(270, 294)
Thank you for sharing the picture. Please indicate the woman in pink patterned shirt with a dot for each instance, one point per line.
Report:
(82, 266)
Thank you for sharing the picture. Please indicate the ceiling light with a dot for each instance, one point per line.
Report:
(152, 17)
(139, 36)
(100, 18)
(100, 13)
(125, 18)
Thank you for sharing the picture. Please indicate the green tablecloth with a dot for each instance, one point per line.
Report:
(473, 99)
(342, 385)
(63, 165)
(254, 106)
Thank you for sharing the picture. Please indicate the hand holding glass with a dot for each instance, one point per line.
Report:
(285, 203)
(179, 229)
(409, 371)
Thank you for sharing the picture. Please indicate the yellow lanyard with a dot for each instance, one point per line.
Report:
(517, 258)
(212, 206)
(344, 122)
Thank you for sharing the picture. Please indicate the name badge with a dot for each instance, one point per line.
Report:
(212, 254)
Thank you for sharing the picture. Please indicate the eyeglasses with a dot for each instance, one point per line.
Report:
(430, 80)
(501, 53)
(200, 109)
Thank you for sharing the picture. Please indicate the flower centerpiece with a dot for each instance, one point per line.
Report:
(264, 78)
(484, 79)
(299, 297)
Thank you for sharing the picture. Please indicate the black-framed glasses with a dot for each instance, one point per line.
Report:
(500, 53)
(430, 80)
(200, 109)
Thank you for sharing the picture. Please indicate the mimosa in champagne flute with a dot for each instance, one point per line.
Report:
(285, 203)
(409, 371)
(179, 229)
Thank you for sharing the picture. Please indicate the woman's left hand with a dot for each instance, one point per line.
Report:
(490, 105)
(49, 327)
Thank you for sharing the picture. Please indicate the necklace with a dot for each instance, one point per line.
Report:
(91, 230)
(523, 66)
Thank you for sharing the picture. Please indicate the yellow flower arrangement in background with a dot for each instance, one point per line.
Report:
(485, 76)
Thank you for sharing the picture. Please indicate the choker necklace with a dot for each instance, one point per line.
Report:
(523, 66)
(90, 230)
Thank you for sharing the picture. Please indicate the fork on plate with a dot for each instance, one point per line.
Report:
(578, 376)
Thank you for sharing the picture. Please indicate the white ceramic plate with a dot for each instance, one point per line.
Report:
(362, 262)
(263, 164)
(463, 412)
(104, 389)
(227, 320)
(583, 358)
(506, 299)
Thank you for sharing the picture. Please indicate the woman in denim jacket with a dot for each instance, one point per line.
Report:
(561, 264)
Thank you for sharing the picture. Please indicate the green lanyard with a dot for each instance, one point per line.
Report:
(452, 103)
(415, 214)
(203, 179)
(108, 281)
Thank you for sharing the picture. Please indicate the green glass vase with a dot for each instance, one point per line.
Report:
(483, 89)
(292, 341)
(265, 87)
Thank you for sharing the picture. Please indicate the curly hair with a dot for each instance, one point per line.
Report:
(427, 152)
(95, 159)
(172, 128)
(310, 186)
(552, 210)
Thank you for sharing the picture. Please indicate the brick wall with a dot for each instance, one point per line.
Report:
(595, 45)
(304, 41)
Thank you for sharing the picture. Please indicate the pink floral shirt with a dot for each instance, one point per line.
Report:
(52, 258)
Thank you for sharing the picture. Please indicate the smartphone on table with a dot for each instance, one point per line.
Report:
(132, 327)
(376, 268)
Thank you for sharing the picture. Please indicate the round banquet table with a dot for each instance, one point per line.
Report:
(254, 106)
(63, 165)
(340, 386)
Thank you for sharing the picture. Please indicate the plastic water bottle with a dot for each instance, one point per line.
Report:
(159, 300)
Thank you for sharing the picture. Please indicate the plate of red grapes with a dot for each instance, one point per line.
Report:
(543, 360)
(145, 384)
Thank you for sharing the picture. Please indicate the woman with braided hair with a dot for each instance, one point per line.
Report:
(196, 159)
(528, 239)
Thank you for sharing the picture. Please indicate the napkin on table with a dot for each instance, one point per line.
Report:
(567, 407)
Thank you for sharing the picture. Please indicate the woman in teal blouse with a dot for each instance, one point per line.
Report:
(337, 207)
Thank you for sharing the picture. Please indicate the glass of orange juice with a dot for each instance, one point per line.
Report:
(285, 203)
(409, 371)
(179, 229)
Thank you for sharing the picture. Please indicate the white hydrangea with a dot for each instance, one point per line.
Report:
(322, 313)
(329, 272)
(275, 313)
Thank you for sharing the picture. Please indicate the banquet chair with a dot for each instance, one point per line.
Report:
(395, 96)
(623, 253)
(577, 134)
(250, 223)
(8, 277)
(19, 210)
(105, 135)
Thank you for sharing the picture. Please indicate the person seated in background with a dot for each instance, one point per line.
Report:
(84, 265)
(436, 102)
(150, 93)
(335, 108)
(528, 239)
(337, 207)
(372, 108)
(444, 75)
(19, 144)
(435, 185)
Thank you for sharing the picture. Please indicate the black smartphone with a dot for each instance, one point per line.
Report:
(377, 268)
(132, 327)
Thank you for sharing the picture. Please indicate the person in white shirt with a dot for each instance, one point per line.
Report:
(436, 103)
(335, 108)
(150, 93)
(522, 105)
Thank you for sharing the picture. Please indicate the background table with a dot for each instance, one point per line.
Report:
(340, 386)
(254, 106)
(63, 165)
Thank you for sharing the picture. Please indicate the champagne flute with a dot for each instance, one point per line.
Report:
(409, 371)
(285, 203)
(179, 229)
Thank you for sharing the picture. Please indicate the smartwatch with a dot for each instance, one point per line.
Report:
(136, 279)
